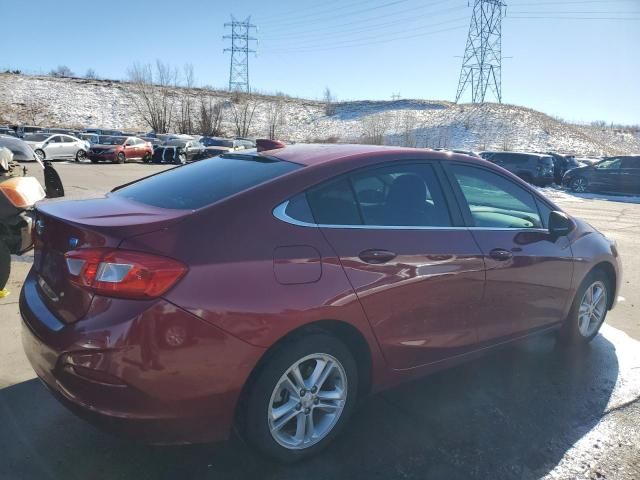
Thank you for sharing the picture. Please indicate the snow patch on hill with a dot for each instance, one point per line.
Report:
(421, 123)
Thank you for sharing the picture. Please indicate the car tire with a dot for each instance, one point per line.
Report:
(40, 153)
(5, 264)
(121, 158)
(274, 390)
(147, 158)
(587, 316)
(81, 155)
(579, 185)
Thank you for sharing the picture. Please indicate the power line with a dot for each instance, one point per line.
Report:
(386, 40)
(314, 42)
(303, 30)
(524, 12)
(574, 18)
(332, 13)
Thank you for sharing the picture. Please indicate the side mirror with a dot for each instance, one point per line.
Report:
(560, 224)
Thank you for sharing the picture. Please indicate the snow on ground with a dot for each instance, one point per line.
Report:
(420, 123)
(604, 440)
(558, 194)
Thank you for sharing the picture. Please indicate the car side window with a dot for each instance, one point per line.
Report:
(494, 201)
(68, 140)
(609, 164)
(633, 162)
(401, 195)
(334, 203)
(56, 139)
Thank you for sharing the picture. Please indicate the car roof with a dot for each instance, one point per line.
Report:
(316, 154)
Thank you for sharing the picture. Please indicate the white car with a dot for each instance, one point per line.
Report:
(57, 146)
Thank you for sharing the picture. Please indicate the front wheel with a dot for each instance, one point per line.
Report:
(579, 185)
(5, 265)
(588, 311)
(301, 398)
(40, 153)
(121, 158)
(81, 155)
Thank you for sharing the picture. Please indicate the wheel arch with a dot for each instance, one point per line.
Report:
(612, 277)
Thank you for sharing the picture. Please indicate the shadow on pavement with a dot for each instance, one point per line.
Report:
(511, 414)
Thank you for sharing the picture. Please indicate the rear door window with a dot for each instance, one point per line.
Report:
(205, 182)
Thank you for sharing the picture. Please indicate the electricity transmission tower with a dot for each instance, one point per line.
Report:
(240, 50)
(482, 60)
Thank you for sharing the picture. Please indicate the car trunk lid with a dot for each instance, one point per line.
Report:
(64, 226)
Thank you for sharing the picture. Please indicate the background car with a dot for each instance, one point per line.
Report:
(22, 152)
(23, 130)
(57, 147)
(120, 150)
(266, 293)
(533, 168)
(613, 175)
(179, 151)
(8, 131)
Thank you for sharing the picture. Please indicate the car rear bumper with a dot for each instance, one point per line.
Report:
(161, 376)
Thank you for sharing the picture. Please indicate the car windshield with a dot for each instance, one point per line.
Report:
(112, 140)
(176, 142)
(200, 184)
(36, 137)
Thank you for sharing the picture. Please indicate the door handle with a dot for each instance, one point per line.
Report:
(376, 256)
(500, 254)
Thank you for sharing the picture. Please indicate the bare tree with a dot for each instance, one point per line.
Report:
(375, 128)
(211, 116)
(34, 112)
(61, 71)
(186, 123)
(408, 124)
(243, 107)
(153, 94)
(329, 102)
(275, 117)
(91, 74)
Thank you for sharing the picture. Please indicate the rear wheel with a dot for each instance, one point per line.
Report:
(589, 309)
(301, 398)
(5, 265)
(579, 185)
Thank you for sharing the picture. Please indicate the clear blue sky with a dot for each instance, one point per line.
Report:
(579, 69)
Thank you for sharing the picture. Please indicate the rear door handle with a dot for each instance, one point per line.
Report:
(376, 256)
(500, 254)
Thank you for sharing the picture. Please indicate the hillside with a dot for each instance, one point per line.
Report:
(82, 103)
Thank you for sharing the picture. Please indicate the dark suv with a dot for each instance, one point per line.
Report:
(533, 168)
(613, 174)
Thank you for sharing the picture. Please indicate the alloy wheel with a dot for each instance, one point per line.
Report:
(579, 185)
(592, 309)
(307, 401)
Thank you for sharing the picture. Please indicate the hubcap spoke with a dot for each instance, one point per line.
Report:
(336, 394)
(286, 419)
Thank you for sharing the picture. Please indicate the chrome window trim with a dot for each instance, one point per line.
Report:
(280, 213)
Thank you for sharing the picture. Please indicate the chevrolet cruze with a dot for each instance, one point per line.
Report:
(267, 292)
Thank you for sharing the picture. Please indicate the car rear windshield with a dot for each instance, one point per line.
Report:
(205, 182)
(112, 140)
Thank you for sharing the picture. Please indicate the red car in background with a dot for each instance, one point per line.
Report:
(120, 150)
(270, 290)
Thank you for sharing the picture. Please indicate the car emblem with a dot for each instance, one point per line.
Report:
(73, 242)
(39, 226)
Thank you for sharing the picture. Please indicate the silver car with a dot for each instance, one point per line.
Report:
(57, 146)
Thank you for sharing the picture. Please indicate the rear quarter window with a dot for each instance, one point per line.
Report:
(205, 182)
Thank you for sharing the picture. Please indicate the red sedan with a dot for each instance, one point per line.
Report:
(120, 150)
(269, 291)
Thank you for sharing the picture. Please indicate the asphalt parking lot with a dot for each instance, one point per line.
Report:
(530, 410)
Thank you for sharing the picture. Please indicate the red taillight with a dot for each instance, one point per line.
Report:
(123, 273)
